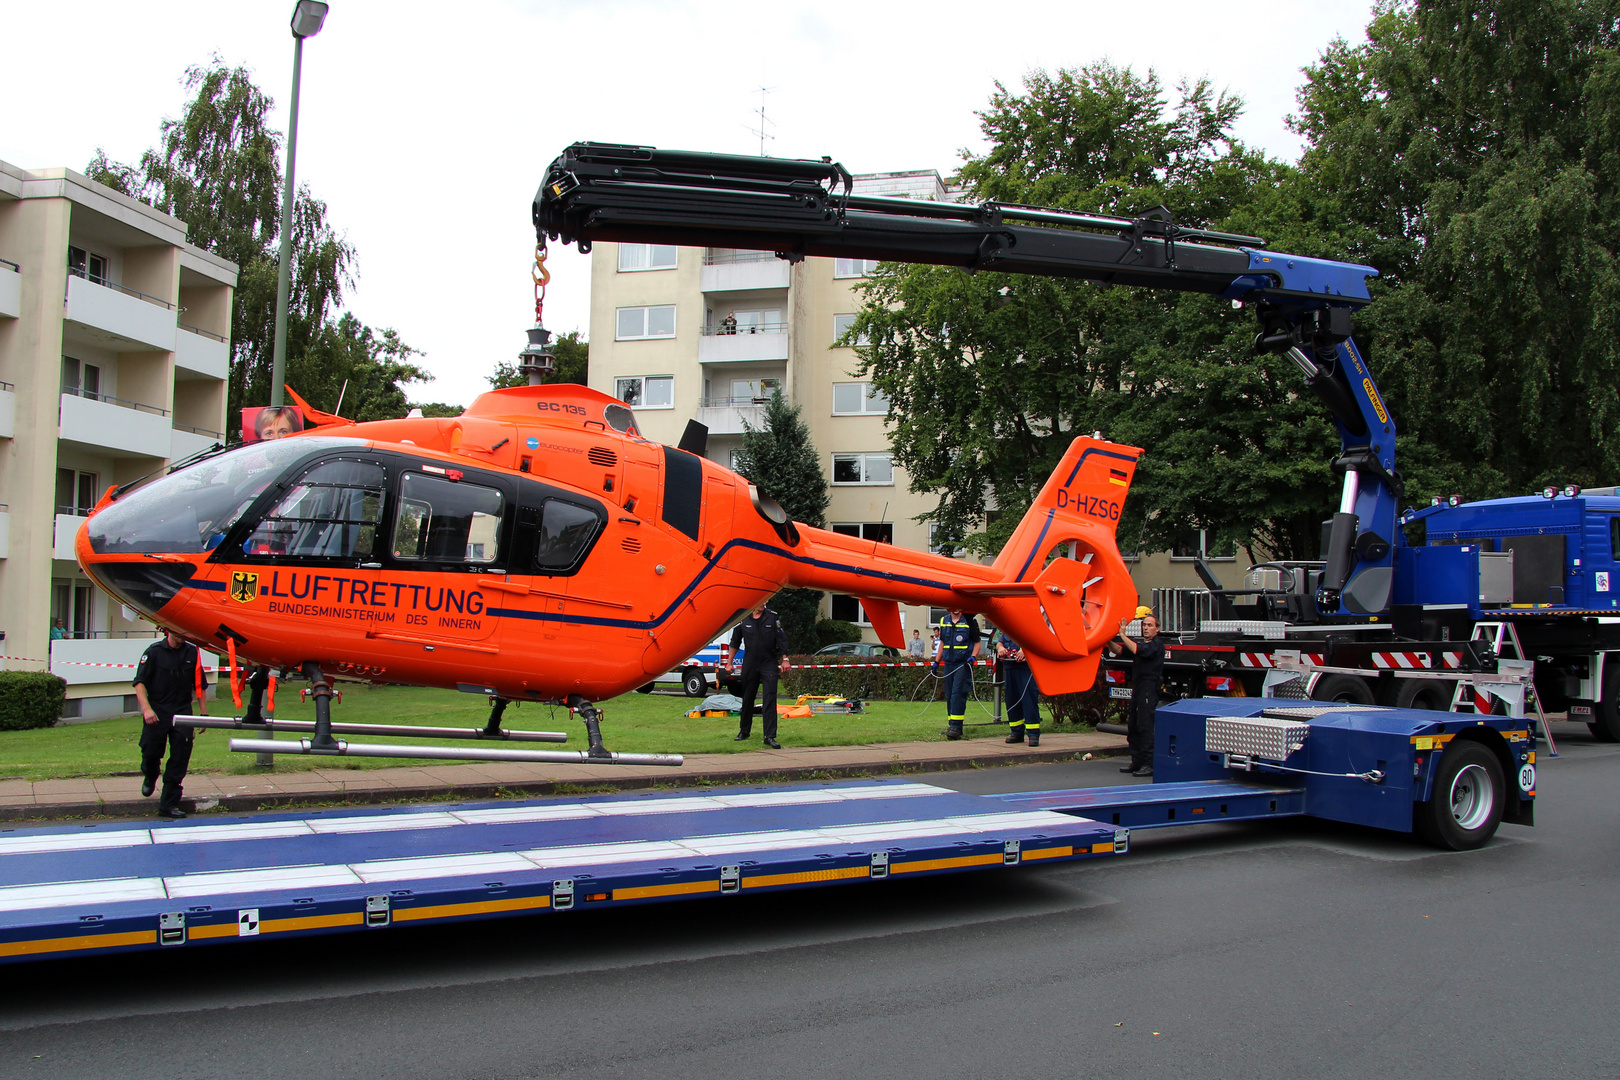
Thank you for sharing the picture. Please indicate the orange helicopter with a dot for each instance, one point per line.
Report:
(538, 548)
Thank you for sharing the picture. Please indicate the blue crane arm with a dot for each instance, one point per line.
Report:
(798, 208)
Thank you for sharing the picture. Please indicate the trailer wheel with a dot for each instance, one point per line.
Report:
(1345, 688)
(1467, 803)
(695, 683)
(1422, 694)
(1605, 726)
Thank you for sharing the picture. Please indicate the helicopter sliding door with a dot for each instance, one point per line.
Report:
(448, 529)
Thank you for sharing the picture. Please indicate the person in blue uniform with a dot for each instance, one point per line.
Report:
(959, 644)
(765, 647)
(165, 681)
(1148, 671)
(1022, 696)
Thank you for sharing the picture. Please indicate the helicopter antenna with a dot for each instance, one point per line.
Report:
(761, 131)
(338, 411)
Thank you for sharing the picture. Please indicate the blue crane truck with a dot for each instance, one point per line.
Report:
(1452, 778)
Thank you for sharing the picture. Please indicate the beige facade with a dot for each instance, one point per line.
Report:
(706, 333)
(114, 351)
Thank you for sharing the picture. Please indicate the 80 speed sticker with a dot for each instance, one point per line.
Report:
(1527, 778)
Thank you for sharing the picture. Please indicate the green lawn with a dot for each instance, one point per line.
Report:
(648, 723)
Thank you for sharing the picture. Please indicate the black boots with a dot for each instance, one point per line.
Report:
(1016, 734)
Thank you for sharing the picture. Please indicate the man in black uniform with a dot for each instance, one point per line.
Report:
(765, 646)
(1149, 670)
(165, 681)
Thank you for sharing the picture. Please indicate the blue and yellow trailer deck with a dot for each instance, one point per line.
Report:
(68, 890)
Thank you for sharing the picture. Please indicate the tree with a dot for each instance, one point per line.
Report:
(218, 169)
(1475, 150)
(990, 376)
(780, 460)
(573, 364)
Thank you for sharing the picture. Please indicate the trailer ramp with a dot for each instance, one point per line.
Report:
(68, 890)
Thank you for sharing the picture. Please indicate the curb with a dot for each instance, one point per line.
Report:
(128, 808)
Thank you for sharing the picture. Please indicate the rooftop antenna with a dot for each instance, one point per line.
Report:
(763, 120)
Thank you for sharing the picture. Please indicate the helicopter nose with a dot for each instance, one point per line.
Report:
(147, 587)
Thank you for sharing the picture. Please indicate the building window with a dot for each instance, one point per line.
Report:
(1199, 543)
(842, 324)
(862, 469)
(763, 321)
(70, 603)
(646, 391)
(848, 268)
(447, 521)
(942, 543)
(76, 492)
(81, 378)
(646, 257)
(880, 531)
(87, 264)
(636, 323)
(848, 609)
(936, 615)
(858, 399)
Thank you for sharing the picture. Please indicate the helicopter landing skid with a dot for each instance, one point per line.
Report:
(455, 753)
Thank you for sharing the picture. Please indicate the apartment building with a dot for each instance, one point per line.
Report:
(710, 333)
(114, 351)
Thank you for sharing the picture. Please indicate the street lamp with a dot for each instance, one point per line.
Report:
(307, 18)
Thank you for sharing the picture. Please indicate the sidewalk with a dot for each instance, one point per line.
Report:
(22, 800)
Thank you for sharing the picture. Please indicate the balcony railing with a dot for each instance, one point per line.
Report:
(8, 262)
(122, 403)
(7, 386)
(74, 511)
(107, 283)
(732, 402)
(209, 432)
(720, 330)
(200, 331)
(728, 258)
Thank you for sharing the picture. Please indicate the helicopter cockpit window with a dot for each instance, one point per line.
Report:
(620, 418)
(566, 532)
(331, 513)
(445, 521)
(190, 510)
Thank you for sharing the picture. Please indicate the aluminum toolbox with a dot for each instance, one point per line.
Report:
(1266, 737)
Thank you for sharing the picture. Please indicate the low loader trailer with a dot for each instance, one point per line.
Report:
(69, 890)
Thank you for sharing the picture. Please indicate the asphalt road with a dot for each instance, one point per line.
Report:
(1276, 950)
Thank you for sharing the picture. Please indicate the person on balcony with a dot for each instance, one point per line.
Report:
(728, 325)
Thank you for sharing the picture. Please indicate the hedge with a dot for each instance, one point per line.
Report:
(30, 699)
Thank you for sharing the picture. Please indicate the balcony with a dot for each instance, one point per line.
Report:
(5, 531)
(725, 416)
(10, 289)
(764, 341)
(201, 352)
(109, 425)
(188, 440)
(8, 411)
(736, 271)
(67, 528)
(118, 318)
(81, 660)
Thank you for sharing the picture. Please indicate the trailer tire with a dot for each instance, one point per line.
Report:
(1605, 725)
(695, 683)
(1467, 803)
(1349, 689)
(1422, 694)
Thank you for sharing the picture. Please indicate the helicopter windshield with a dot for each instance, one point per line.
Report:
(190, 511)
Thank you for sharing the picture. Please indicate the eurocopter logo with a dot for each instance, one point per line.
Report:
(244, 587)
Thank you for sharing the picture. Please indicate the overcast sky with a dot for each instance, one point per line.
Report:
(426, 127)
